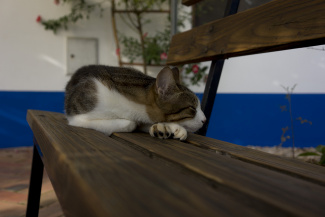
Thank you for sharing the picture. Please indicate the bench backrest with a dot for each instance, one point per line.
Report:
(274, 26)
(277, 25)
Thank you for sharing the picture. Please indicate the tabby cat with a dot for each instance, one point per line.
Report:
(117, 99)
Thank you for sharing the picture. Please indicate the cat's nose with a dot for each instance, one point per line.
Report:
(204, 120)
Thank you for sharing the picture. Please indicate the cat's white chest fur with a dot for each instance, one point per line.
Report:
(113, 105)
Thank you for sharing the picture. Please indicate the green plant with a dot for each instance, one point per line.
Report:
(149, 49)
(194, 72)
(142, 46)
(80, 9)
(320, 151)
(284, 136)
(155, 47)
(152, 49)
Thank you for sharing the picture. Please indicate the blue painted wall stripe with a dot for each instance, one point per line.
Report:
(14, 129)
(256, 119)
(244, 119)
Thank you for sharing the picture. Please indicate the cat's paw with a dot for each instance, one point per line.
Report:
(168, 130)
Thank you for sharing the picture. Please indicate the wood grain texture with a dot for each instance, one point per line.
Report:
(263, 186)
(277, 25)
(133, 174)
(95, 175)
(293, 167)
(190, 2)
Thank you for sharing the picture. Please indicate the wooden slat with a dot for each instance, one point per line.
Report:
(263, 185)
(133, 174)
(190, 2)
(294, 167)
(95, 175)
(257, 183)
(277, 25)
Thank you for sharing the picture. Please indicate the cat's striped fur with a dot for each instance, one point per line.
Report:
(116, 99)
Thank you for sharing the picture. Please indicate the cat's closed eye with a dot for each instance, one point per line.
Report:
(188, 112)
(189, 109)
(192, 108)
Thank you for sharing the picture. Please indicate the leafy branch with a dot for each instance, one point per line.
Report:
(155, 47)
(194, 72)
(285, 137)
(152, 49)
(80, 9)
(288, 97)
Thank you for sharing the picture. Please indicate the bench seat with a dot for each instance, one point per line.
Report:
(133, 174)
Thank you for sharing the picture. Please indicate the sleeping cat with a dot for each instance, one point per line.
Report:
(116, 99)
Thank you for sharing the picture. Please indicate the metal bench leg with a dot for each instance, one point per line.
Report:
(210, 92)
(212, 84)
(35, 184)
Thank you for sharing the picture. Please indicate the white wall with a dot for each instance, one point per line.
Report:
(34, 59)
(267, 73)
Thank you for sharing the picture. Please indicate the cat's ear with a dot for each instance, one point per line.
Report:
(176, 74)
(165, 82)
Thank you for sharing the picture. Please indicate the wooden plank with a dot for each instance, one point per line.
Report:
(95, 175)
(190, 2)
(274, 26)
(266, 186)
(294, 167)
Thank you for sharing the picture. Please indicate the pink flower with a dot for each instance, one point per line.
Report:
(118, 51)
(145, 35)
(163, 56)
(56, 2)
(205, 78)
(39, 19)
(195, 69)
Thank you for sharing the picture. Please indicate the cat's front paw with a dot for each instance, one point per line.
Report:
(168, 130)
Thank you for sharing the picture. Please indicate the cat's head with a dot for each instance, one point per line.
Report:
(177, 103)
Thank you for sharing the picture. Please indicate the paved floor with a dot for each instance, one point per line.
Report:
(15, 165)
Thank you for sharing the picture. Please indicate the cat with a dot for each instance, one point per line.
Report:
(117, 99)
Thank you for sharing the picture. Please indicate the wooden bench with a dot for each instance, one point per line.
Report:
(133, 174)
(274, 26)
